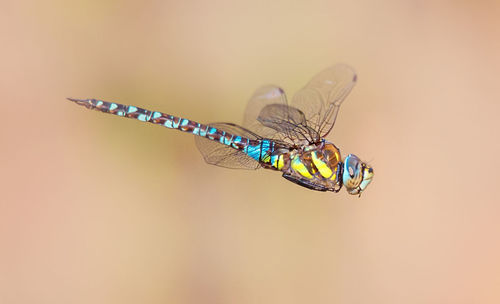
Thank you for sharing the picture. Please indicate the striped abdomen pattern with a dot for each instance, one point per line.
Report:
(260, 150)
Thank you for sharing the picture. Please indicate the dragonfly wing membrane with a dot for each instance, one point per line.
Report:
(263, 97)
(274, 114)
(321, 98)
(269, 115)
(290, 122)
(220, 155)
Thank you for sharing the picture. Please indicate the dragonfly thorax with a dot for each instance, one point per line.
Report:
(316, 166)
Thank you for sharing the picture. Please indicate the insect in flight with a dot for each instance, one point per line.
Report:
(275, 134)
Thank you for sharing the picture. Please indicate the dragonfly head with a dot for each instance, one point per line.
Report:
(357, 175)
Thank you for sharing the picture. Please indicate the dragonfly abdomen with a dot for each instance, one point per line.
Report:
(250, 147)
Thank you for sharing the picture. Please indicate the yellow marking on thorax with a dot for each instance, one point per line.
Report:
(299, 167)
(334, 177)
(323, 168)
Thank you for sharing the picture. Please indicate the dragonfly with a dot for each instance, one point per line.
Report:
(289, 137)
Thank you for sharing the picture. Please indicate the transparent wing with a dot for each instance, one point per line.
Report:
(262, 97)
(269, 115)
(312, 113)
(289, 122)
(221, 155)
(321, 98)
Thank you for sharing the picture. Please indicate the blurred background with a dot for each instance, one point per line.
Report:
(100, 209)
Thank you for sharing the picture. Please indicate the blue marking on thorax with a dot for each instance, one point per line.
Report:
(99, 103)
(113, 106)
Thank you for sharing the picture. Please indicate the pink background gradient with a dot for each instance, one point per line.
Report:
(100, 209)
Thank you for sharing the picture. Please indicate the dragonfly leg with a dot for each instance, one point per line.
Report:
(337, 188)
(304, 182)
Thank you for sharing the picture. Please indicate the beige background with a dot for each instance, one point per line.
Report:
(100, 209)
